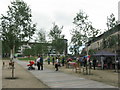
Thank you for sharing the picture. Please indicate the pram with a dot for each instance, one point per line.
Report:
(31, 65)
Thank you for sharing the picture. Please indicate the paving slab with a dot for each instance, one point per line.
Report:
(58, 79)
(22, 78)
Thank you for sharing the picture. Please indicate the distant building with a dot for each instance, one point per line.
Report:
(51, 50)
(28, 45)
(109, 40)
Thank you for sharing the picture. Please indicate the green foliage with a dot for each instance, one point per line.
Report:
(40, 46)
(58, 42)
(82, 32)
(111, 41)
(28, 52)
(5, 48)
(91, 52)
(27, 58)
(36, 49)
(71, 49)
(59, 45)
(76, 41)
(17, 24)
(111, 21)
(81, 22)
(55, 32)
(41, 37)
(84, 52)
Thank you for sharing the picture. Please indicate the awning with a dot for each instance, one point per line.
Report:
(104, 53)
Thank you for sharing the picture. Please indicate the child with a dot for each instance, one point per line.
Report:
(48, 61)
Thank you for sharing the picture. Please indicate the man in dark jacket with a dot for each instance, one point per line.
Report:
(63, 61)
(94, 63)
(41, 62)
(38, 62)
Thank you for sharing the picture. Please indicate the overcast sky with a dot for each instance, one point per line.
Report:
(62, 12)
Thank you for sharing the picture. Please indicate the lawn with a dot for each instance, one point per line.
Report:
(27, 58)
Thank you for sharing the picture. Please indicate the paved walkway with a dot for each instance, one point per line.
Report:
(57, 79)
(23, 78)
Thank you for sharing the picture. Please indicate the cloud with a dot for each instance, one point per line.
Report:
(63, 18)
(45, 12)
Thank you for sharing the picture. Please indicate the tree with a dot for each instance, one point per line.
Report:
(71, 49)
(58, 42)
(92, 32)
(55, 32)
(41, 36)
(111, 21)
(41, 48)
(76, 41)
(59, 45)
(83, 30)
(28, 52)
(17, 25)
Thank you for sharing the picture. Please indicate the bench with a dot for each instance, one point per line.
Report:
(77, 68)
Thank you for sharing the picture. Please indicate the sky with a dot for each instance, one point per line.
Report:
(62, 12)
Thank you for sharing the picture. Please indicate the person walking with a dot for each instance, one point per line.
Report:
(56, 64)
(85, 62)
(63, 61)
(59, 63)
(38, 62)
(41, 62)
(94, 63)
(48, 60)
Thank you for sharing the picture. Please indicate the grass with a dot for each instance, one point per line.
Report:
(27, 58)
(60, 59)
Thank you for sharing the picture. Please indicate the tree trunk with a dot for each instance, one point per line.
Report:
(11, 54)
(12, 70)
(12, 62)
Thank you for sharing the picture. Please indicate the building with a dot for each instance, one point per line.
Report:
(48, 45)
(29, 45)
(108, 41)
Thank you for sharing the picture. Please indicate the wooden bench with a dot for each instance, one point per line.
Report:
(88, 71)
(77, 68)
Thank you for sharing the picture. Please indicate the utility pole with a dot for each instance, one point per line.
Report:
(115, 62)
